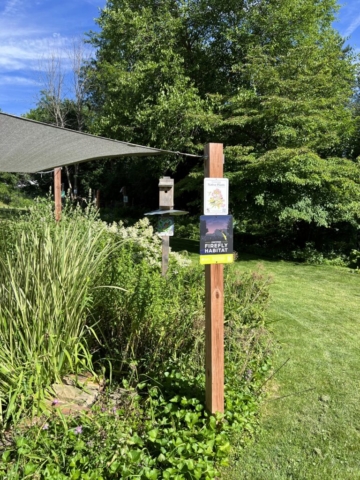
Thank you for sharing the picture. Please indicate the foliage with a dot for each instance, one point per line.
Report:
(295, 82)
(143, 242)
(280, 76)
(46, 275)
(279, 86)
(355, 259)
(158, 428)
(353, 150)
(10, 195)
(139, 76)
(309, 254)
(297, 194)
(154, 331)
(152, 315)
(175, 439)
(247, 343)
(188, 228)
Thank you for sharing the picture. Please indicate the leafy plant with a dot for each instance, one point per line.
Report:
(156, 317)
(155, 426)
(355, 259)
(45, 292)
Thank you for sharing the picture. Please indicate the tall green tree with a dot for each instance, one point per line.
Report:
(276, 73)
(354, 144)
(269, 79)
(296, 81)
(140, 86)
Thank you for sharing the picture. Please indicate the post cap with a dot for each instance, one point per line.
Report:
(166, 182)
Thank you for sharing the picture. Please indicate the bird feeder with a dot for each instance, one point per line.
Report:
(166, 221)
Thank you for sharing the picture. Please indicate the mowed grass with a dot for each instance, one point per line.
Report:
(310, 420)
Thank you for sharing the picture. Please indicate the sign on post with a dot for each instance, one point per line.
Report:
(165, 227)
(216, 239)
(216, 196)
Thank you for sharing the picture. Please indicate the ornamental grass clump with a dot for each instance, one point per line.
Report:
(45, 295)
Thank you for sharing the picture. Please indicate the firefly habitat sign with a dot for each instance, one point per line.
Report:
(216, 239)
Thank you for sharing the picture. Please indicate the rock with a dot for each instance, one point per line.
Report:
(68, 397)
(70, 394)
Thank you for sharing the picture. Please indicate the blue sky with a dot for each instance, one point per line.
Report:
(30, 29)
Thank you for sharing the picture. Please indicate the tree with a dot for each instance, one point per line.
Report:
(271, 80)
(297, 79)
(354, 144)
(276, 72)
(139, 83)
(62, 101)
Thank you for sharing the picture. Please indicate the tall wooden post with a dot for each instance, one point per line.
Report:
(166, 202)
(165, 255)
(57, 193)
(214, 308)
(97, 198)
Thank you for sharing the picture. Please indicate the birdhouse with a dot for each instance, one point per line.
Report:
(166, 193)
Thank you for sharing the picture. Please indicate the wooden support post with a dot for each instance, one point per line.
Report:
(97, 198)
(166, 202)
(165, 255)
(214, 308)
(57, 193)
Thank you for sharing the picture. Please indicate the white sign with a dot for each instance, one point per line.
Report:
(216, 196)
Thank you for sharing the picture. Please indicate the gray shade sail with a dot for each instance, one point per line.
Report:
(28, 146)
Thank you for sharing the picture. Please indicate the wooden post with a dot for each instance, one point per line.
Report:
(166, 202)
(97, 198)
(57, 193)
(165, 255)
(214, 308)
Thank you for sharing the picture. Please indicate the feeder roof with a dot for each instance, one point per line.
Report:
(28, 146)
(167, 212)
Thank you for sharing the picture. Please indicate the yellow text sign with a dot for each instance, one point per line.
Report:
(213, 259)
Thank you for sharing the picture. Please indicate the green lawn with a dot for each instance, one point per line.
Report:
(311, 419)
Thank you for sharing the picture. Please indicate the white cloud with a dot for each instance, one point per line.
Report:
(12, 6)
(353, 26)
(14, 80)
(32, 31)
(28, 53)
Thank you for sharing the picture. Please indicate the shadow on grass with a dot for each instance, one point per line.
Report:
(181, 244)
(11, 213)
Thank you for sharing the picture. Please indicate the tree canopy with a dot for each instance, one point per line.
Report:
(271, 80)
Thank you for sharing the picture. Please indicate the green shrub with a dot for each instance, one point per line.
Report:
(159, 428)
(45, 297)
(309, 254)
(187, 227)
(153, 334)
(153, 317)
(248, 344)
(157, 437)
(355, 259)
